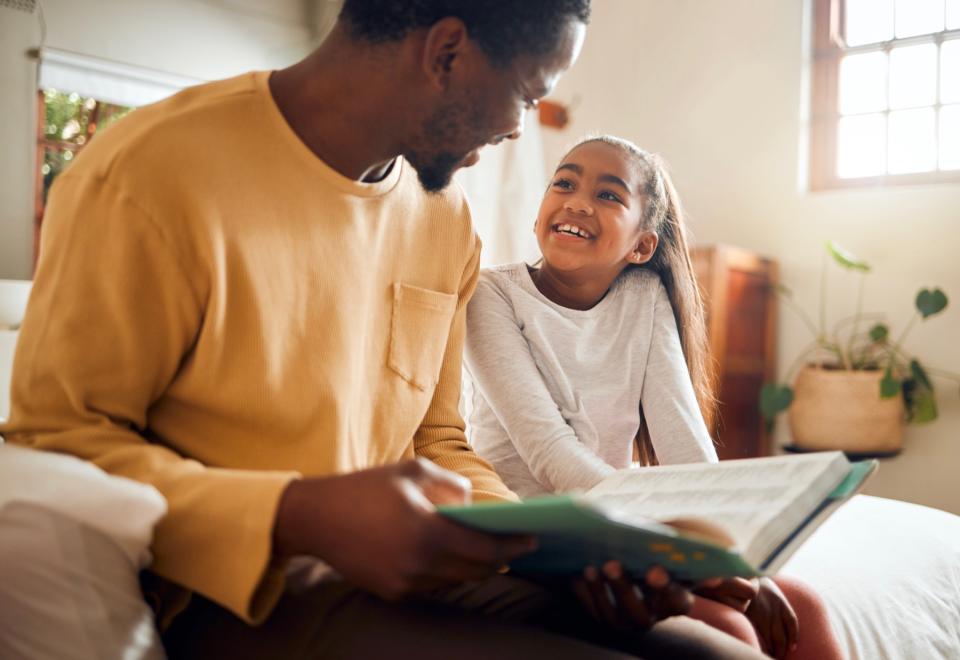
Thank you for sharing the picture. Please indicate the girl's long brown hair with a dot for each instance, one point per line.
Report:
(663, 214)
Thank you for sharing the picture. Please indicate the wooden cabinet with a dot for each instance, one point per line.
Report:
(742, 324)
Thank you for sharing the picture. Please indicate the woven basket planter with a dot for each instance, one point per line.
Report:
(837, 409)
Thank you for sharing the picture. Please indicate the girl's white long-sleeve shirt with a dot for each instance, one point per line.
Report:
(557, 391)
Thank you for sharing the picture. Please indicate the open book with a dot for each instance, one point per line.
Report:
(734, 518)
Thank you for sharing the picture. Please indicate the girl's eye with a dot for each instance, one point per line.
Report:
(610, 196)
(563, 184)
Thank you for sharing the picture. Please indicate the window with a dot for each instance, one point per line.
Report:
(886, 92)
(66, 123)
(79, 96)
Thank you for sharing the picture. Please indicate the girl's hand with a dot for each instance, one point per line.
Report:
(612, 597)
(773, 619)
(733, 592)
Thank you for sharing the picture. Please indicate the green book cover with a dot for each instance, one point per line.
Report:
(574, 534)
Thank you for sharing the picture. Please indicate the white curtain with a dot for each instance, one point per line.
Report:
(504, 190)
(104, 80)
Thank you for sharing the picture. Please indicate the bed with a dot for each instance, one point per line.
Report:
(890, 574)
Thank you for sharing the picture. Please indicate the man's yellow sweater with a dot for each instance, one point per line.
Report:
(217, 311)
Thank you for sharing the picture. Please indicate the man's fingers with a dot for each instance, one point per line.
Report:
(438, 485)
(665, 598)
(672, 601)
(583, 594)
(628, 596)
(657, 577)
(605, 606)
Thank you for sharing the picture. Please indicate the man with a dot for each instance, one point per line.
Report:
(252, 295)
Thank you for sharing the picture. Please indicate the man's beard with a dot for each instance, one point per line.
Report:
(435, 174)
(434, 163)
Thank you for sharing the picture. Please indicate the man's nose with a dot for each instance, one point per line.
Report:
(518, 130)
(513, 135)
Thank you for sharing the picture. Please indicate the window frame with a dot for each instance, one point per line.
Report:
(828, 49)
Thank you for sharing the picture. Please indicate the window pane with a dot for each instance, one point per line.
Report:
(912, 142)
(950, 137)
(953, 14)
(950, 71)
(913, 76)
(868, 21)
(863, 83)
(70, 120)
(918, 17)
(861, 146)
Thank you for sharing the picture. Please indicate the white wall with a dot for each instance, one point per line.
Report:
(18, 32)
(205, 39)
(717, 88)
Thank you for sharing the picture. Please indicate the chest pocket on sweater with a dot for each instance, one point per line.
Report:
(418, 333)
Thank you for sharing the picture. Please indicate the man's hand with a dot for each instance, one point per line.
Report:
(378, 528)
(613, 598)
(734, 592)
(773, 619)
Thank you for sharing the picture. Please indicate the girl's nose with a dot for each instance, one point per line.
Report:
(577, 205)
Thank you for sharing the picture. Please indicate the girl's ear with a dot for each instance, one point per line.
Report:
(645, 249)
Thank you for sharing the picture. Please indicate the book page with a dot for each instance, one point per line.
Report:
(758, 501)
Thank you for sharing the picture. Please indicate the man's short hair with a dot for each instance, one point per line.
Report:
(503, 28)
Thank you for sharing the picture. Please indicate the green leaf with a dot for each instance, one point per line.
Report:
(923, 381)
(774, 399)
(924, 406)
(908, 386)
(846, 259)
(783, 290)
(889, 386)
(931, 302)
(879, 332)
(919, 396)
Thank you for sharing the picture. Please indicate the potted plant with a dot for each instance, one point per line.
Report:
(854, 385)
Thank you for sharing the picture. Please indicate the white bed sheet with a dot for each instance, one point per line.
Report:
(890, 574)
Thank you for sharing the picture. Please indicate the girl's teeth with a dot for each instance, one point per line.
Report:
(576, 231)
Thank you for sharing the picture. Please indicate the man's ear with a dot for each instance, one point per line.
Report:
(646, 247)
(444, 45)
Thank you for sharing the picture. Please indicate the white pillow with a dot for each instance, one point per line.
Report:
(72, 541)
(123, 509)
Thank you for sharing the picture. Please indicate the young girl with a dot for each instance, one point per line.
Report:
(600, 350)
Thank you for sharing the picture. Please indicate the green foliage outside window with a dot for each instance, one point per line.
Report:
(70, 121)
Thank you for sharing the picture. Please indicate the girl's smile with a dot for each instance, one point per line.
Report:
(571, 231)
